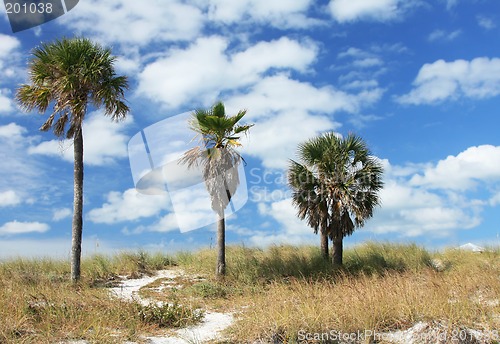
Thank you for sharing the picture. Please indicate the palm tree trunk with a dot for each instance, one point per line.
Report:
(338, 249)
(324, 245)
(77, 226)
(221, 246)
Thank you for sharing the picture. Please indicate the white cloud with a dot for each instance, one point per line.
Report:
(441, 80)
(10, 64)
(61, 214)
(12, 132)
(274, 140)
(362, 84)
(279, 13)
(183, 76)
(279, 105)
(434, 198)
(495, 199)
(440, 35)
(136, 22)
(463, 171)
(377, 10)
(128, 206)
(451, 3)
(166, 223)
(104, 141)
(438, 221)
(486, 22)
(410, 210)
(293, 231)
(280, 94)
(9, 198)
(8, 44)
(22, 174)
(15, 227)
(284, 212)
(6, 103)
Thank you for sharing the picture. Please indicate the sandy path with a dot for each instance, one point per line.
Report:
(212, 324)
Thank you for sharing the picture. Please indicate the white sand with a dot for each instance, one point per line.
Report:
(209, 329)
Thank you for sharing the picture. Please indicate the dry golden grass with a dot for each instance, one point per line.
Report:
(275, 292)
(38, 304)
(466, 295)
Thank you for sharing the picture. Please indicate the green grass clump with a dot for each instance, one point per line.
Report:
(169, 315)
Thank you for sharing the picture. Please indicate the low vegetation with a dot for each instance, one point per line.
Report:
(275, 293)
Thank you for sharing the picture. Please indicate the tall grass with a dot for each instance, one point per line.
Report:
(383, 287)
(38, 304)
(275, 292)
(253, 265)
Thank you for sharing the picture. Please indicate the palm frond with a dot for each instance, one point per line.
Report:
(216, 153)
(71, 73)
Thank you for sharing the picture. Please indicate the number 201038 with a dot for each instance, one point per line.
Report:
(15, 8)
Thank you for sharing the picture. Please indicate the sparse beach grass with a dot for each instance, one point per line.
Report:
(274, 293)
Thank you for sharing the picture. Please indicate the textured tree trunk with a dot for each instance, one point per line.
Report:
(338, 249)
(324, 245)
(221, 246)
(77, 226)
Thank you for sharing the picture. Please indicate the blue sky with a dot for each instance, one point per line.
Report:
(418, 80)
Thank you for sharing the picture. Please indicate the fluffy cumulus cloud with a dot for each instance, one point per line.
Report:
(9, 198)
(128, 206)
(182, 76)
(259, 78)
(104, 141)
(279, 13)
(22, 176)
(16, 227)
(463, 171)
(280, 105)
(435, 198)
(495, 199)
(136, 22)
(378, 10)
(10, 64)
(9, 69)
(8, 45)
(61, 214)
(291, 230)
(6, 102)
(411, 211)
(441, 80)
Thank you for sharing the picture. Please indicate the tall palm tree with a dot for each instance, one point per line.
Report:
(72, 74)
(219, 135)
(335, 187)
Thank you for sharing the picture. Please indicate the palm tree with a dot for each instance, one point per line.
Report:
(72, 74)
(335, 187)
(216, 153)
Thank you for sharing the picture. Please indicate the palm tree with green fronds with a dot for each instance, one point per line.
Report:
(335, 187)
(219, 136)
(73, 74)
